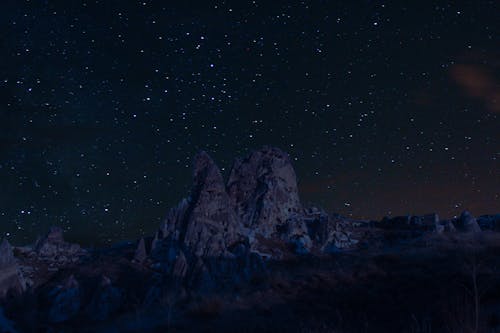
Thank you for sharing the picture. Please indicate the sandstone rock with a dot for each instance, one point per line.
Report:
(174, 221)
(316, 221)
(53, 249)
(263, 190)
(11, 278)
(6, 254)
(339, 235)
(295, 232)
(140, 254)
(467, 223)
(205, 224)
(180, 267)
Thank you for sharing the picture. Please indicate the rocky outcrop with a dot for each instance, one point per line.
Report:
(339, 235)
(263, 191)
(140, 254)
(11, 278)
(6, 254)
(53, 249)
(204, 224)
(467, 223)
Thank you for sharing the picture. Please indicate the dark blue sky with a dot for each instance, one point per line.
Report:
(385, 107)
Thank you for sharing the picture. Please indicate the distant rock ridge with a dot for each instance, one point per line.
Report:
(53, 249)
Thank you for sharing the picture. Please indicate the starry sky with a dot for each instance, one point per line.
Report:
(386, 108)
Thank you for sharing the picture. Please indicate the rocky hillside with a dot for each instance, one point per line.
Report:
(224, 241)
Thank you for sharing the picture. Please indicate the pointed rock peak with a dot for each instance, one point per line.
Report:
(140, 253)
(466, 215)
(55, 235)
(202, 161)
(208, 223)
(467, 222)
(5, 247)
(6, 254)
(206, 173)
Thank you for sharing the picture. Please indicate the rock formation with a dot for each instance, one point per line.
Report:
(53, 249)
(205, 224)
(467, 222)
(11, 278)
(263, 191)
(140, 254)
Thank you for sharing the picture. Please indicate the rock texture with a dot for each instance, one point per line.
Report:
(11, 278)
(53, 249)
(140, 254)
(467, 223)
(263, 191)
(205, 223)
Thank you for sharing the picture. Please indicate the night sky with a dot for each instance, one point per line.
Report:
(386, 108)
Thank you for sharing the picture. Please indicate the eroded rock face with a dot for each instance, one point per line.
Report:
(263, 190)
(11, 278)
(140, 254)
(467, 223)
(53, 249)
(6, 254)
(205, 223)
(339, 235)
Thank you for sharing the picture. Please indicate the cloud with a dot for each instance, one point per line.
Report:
(478, 82)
